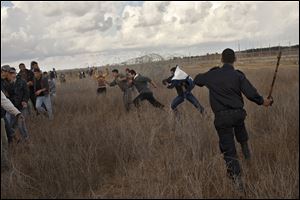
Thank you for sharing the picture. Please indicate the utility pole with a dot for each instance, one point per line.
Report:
(189, 55)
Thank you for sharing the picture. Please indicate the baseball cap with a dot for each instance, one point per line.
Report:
(5, 68)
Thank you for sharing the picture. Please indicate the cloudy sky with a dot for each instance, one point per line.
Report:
(77, 34)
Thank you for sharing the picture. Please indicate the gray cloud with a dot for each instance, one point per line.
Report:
(162, 7)
(74, 28)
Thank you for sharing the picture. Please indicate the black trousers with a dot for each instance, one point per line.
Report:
(149, 97)
(230, 124)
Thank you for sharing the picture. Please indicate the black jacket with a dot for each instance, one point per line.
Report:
(21, 92)
(17, 92)
(180, 88)
(226, 86)
(44, 84)
(27, 75)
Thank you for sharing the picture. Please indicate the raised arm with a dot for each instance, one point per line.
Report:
(153, 84)
(106, 73)
(167, 80)
(95, 77)
(200, 80)
(122, 78)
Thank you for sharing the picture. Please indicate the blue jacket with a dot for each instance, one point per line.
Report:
(181, 86)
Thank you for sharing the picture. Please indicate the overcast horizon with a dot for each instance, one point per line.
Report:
(68, 35)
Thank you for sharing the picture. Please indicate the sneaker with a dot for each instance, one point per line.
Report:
(246, 151)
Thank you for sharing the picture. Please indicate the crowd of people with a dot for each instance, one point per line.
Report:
(126, 83)
(225, 84)
(131, 81)
(29, 92)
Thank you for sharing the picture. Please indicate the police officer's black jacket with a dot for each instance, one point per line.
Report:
(226, 86)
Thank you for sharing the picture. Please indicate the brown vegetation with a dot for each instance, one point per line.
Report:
(94, 149)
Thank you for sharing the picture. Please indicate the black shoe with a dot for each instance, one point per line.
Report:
(246, 151)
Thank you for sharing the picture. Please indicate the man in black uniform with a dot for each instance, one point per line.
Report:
(226, 86)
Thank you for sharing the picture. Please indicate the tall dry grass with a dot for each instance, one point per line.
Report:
(94, 149)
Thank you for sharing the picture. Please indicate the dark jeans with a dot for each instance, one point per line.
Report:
(230, 123)
(188, 96)
(149, 97)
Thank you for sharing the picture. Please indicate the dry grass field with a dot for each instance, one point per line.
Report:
(94, 149)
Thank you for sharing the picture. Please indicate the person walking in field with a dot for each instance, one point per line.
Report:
(100, 78)
(226, 86)
(127, 72)
(53, 74)
(62, 78)
(5, 84)
(183, 84)
(52, 87)
(141, 84)
(122, 82)
(41, 90)
(33, 65)
(52, 84)
(7, 106)
(28, 75)
(18, 94)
